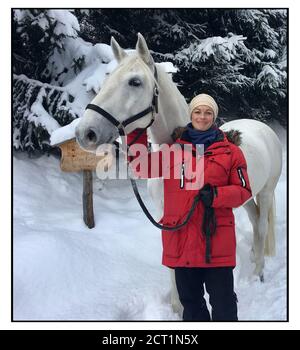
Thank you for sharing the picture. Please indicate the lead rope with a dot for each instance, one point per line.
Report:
(209, 219)
(125, 149)
(149, 216)
(209, 229)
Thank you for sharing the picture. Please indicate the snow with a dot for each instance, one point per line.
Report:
(20, 15)
(168, 67)
(105, 52)
(67, 24)
(270, 76)
(96, 78)
(64, 133)
(37, 114)
(226, 47)
(65, 271)
(40, 116)
(270, 53)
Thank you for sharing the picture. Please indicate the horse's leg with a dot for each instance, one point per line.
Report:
(253, 214)
(155, 189)
(265, 205)
(270, 243)
(175, 302)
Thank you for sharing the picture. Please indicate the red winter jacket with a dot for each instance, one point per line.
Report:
(224, 167)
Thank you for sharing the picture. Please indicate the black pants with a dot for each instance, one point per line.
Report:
(220, 287)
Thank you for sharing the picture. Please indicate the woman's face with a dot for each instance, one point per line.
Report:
(202, 118)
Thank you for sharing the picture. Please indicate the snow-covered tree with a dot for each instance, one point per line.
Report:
(37, 34)
(241, 61)
(223, 52)
(38, 110)
(52, 91)
(239, 56)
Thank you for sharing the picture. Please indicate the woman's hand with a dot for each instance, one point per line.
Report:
(207, 195)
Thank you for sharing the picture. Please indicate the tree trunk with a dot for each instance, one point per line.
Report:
(87, 198)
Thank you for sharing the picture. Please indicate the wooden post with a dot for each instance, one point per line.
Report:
(75, 159)
(87, 199)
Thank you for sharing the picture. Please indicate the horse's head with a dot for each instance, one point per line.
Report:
(127, 91)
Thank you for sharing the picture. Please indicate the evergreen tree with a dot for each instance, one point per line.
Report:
(39, 108)
(239, 56)
(36, 35)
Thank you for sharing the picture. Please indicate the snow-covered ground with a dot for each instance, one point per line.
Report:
(65, 271)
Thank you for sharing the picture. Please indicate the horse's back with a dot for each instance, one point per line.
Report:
(262, 150)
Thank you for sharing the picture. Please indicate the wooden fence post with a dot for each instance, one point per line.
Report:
(87, 198)
(75, 159)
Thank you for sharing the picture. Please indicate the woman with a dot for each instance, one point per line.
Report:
(203, 252)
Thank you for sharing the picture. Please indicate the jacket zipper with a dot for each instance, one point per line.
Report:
(182, 176)
(241, 176)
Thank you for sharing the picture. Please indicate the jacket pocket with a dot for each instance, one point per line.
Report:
(178, 202)
(220, 160)
(224, 242)
(225, 221)
(225, 167)
(173, 241)
(171, 220)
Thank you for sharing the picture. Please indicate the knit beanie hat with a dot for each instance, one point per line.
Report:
(204, 99)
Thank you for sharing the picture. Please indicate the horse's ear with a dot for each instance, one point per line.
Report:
(118, 52)
(143, 51)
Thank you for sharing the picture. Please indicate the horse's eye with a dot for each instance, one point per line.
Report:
(134, 82)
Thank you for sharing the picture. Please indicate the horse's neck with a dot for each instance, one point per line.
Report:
(172, 110)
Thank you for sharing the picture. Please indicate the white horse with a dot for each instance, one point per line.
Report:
(128, 90)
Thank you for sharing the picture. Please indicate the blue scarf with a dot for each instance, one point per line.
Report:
(207, 137)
